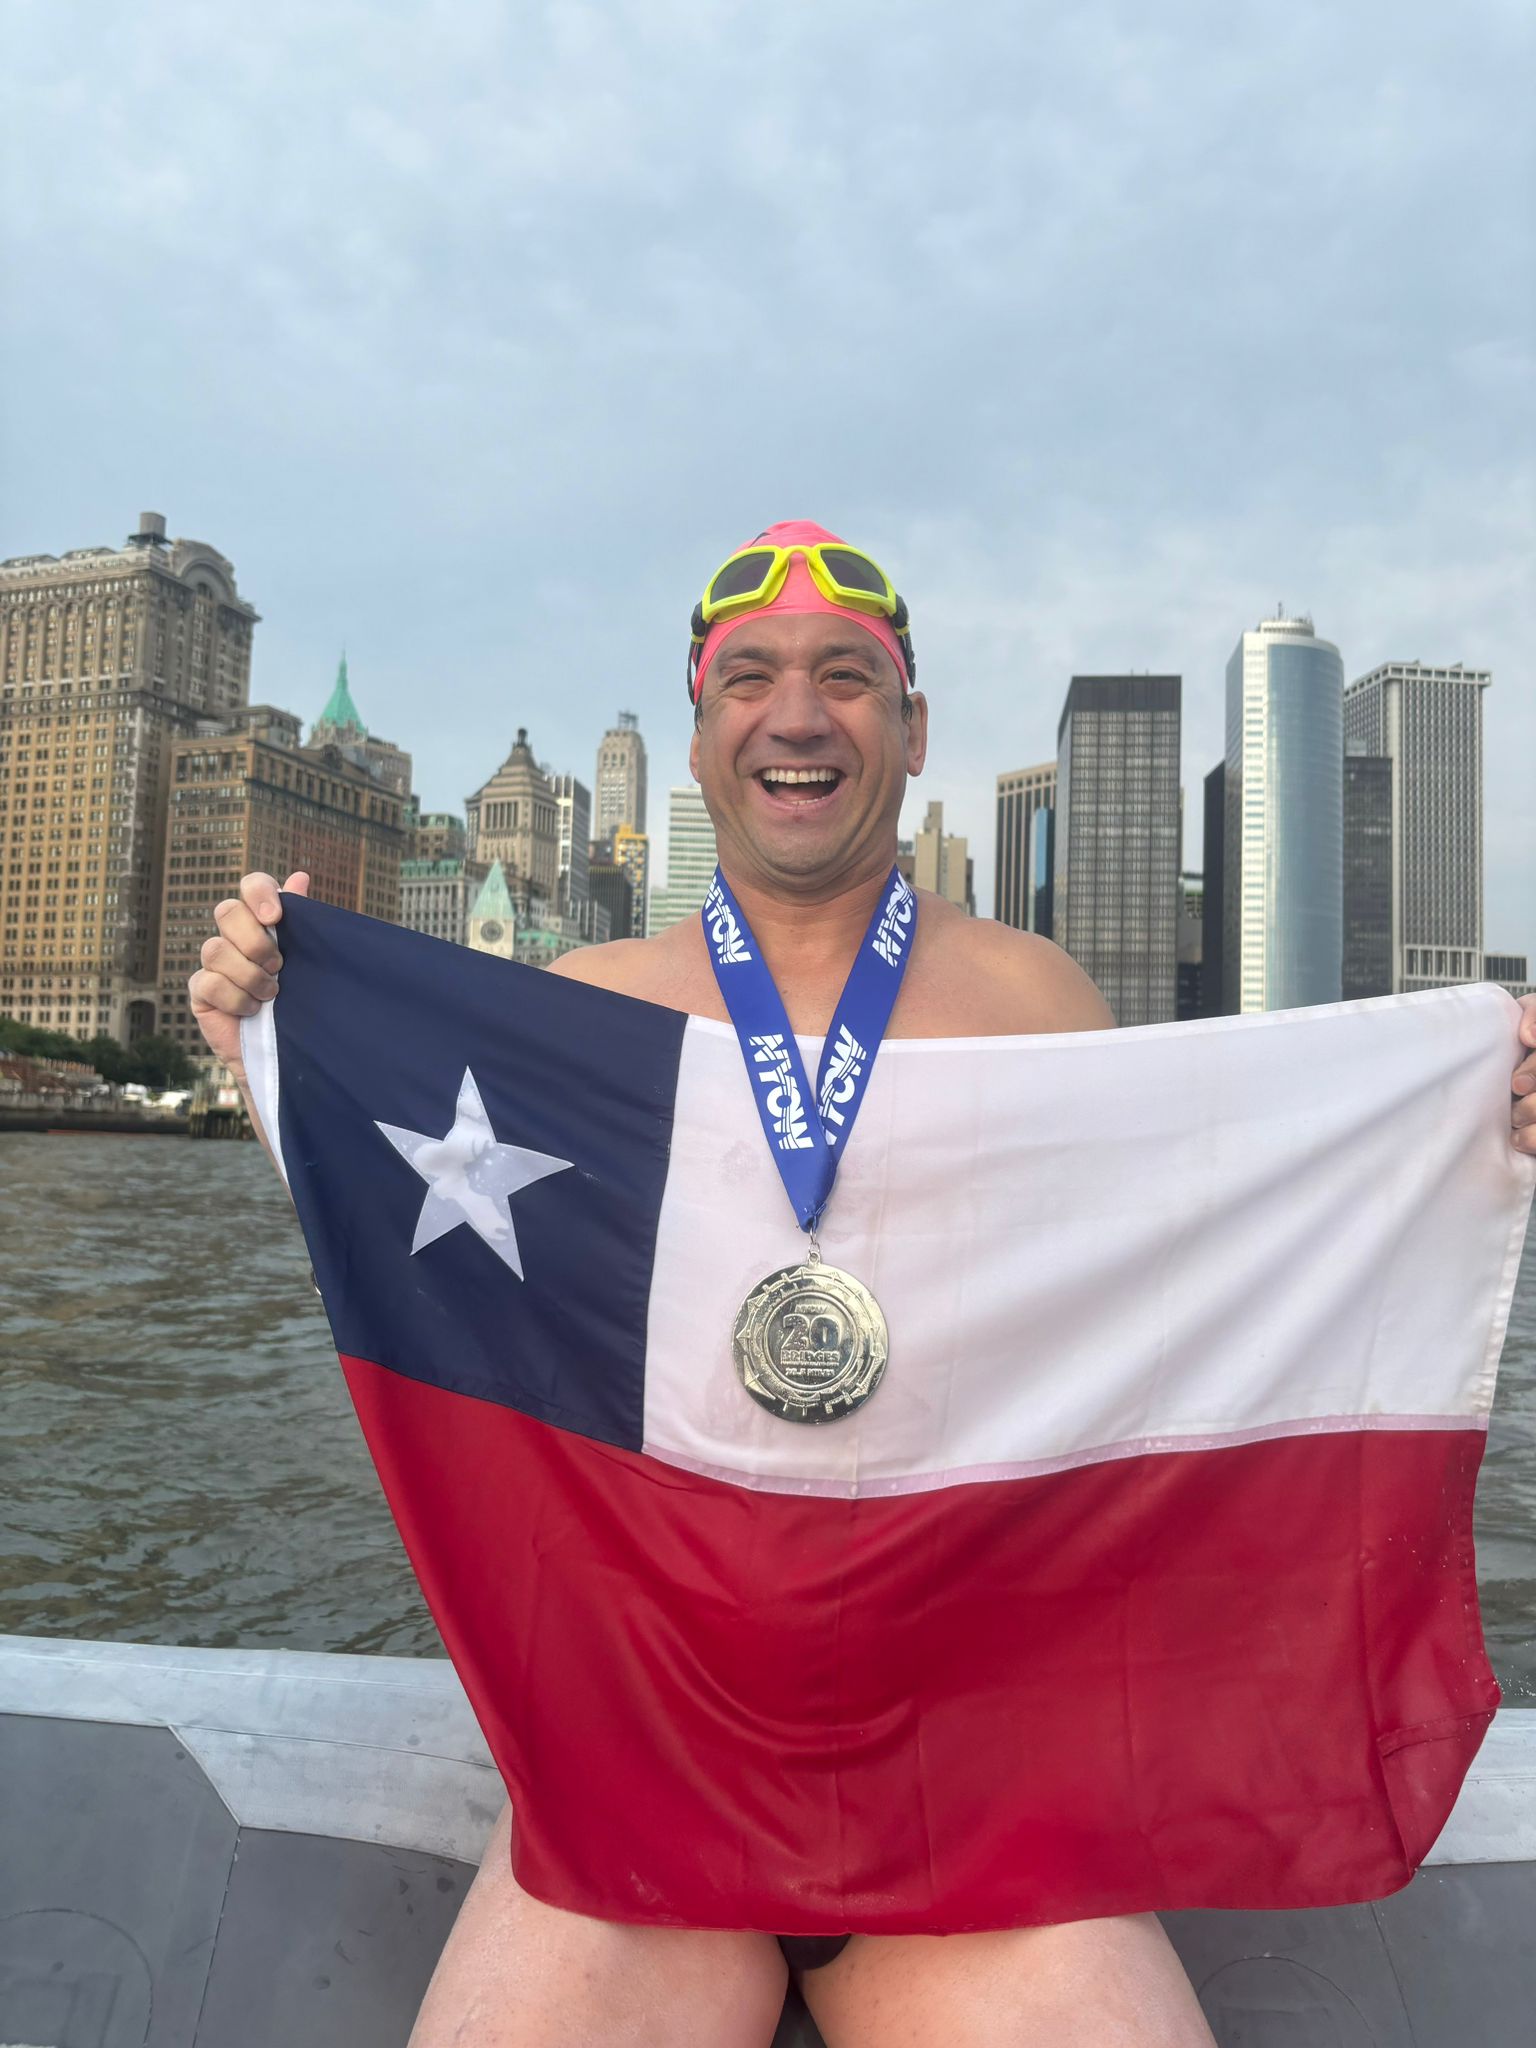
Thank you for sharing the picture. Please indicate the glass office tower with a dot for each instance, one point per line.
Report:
(1117, 839)
(1429, 722)
(1282, 867)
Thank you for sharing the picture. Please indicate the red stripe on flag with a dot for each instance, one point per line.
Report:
(1251, 1677)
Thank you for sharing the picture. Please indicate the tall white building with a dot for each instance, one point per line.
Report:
(1283, 843)
(620, 779)
(691, 859)
(1429, 722)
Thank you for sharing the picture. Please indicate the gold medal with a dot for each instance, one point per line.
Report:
(810, 1342)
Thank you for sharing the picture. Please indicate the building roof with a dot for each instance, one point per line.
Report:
(493, 900)
(339, 709)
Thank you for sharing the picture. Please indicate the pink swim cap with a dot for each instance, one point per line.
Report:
(798, 594)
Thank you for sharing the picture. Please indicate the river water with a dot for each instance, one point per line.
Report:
(181, 1462)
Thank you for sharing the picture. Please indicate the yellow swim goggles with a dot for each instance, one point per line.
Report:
(843, 575)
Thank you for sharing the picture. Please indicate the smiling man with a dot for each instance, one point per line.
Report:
(808, 725)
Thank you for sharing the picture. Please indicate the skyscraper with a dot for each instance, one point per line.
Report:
(1212, 893)
(1429, 722)
(573, 806)
(691, 858)
(106, 656)
(611, 894)
(620, 779)
(1117, 839)
(942, 863)
(245, 795)
(1282, 850)
(340, 726)
(1025, 859)
(1368, 949)
(632, 852)
(1189, 961)
(513, 821)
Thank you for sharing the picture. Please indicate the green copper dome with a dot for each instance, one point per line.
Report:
(340, 710)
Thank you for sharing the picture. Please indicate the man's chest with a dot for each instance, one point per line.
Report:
(938, 999)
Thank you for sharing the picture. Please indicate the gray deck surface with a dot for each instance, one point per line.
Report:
(136, 1908)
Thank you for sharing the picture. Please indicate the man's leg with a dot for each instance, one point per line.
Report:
(1090, 1984)
(519, 1974)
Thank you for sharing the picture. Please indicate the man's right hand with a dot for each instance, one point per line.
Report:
(240, 963)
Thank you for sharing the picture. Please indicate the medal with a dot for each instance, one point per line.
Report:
(809, 1341)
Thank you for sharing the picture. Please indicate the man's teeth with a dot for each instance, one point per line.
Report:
(800, 775)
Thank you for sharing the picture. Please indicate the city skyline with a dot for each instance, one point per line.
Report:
(621, 758)
(1198, 754)
(130, 649)
(1043, 773)
(146, 654)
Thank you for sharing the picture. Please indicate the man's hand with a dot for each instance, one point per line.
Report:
(1523, 1086)
(240, 964)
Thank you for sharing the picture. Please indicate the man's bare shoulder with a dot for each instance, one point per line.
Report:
(996, 981)
(671, 969)
(613, 965)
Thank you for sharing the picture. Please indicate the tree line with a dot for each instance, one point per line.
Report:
(153, 1062)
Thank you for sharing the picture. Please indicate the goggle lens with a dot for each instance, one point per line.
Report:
(854, 572)
(742, 576)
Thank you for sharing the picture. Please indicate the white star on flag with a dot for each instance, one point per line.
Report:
(470, 1176)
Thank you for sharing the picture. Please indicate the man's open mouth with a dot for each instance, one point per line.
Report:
(800, 785)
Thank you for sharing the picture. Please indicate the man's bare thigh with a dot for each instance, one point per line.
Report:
(1090, 1984)
(517, 1973)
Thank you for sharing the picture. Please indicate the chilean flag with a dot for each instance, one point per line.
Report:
(1144, 1579)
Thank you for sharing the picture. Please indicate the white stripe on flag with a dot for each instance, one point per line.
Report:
(258, 1053)
(1105, 1243)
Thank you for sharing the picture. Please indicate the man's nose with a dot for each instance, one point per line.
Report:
(798, 710)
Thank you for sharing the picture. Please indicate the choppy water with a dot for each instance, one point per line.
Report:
(181, 1462)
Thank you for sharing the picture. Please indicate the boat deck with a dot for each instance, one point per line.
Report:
(232, 1848)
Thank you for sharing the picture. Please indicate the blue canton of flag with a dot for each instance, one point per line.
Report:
(567, 1092)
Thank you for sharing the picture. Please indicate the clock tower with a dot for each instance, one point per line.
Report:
(492, 919)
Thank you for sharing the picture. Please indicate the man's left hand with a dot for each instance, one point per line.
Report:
(1523, 1086)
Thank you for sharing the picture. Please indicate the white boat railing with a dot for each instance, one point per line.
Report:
(387, 1750)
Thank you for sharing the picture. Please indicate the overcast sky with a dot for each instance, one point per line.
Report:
(477, 334)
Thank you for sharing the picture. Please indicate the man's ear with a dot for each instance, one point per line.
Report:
(693, 754)
(917, 732)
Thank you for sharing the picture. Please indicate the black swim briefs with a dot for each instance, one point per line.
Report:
(810, 1951)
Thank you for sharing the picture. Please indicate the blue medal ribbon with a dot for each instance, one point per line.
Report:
(805, 1131)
